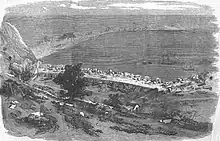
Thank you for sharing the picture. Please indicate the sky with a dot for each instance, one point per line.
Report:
(78, 4)
(108, 7)
(126, 4)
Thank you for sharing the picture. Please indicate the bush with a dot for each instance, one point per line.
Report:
(72, 80)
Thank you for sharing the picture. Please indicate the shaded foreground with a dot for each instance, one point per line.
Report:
(105, 109)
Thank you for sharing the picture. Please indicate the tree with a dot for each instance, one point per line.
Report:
(72, 80)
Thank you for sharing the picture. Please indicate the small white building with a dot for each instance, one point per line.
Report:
(166, 121)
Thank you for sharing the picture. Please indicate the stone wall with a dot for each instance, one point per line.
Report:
(117, 86)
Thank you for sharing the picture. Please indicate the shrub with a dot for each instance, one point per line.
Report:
(72, 80)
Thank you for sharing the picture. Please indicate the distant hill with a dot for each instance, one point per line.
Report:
(34, 28)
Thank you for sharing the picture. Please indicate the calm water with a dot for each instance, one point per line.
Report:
(127, 51)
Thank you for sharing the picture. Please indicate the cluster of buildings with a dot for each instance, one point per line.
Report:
(122, 75)
(178, 85)
(51, 68)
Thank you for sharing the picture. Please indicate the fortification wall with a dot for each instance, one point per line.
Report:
(118, 86)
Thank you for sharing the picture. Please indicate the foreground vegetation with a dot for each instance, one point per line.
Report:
(72, 102)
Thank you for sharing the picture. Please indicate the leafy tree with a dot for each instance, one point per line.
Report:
(72, 80)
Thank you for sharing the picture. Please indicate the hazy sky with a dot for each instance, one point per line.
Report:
(110, 7)
(137, 4)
